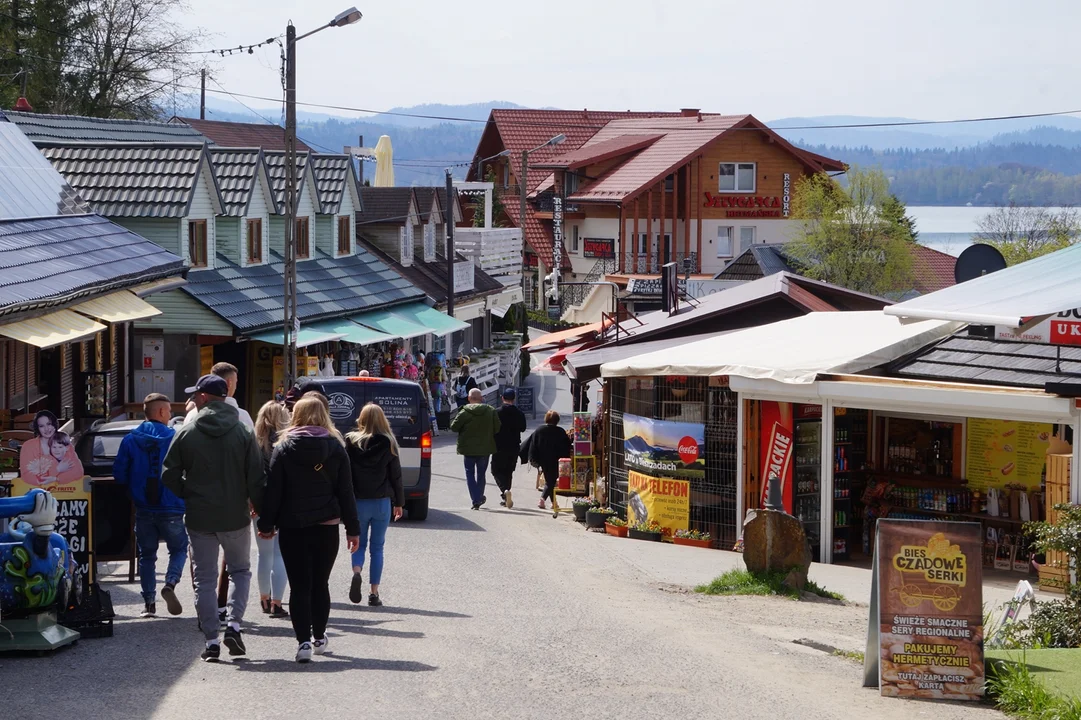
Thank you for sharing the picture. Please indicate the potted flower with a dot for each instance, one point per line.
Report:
(646, 531)
(695, 538)
(596, 517)
(580, 506)
(616, 526)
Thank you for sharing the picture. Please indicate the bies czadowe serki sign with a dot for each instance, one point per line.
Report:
(747, 206)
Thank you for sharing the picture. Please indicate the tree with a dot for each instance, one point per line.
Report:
(1023, 233)
(856, 236)
(40, 35)
(497, 203)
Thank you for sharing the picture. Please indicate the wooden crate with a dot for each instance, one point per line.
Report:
(1055, 574)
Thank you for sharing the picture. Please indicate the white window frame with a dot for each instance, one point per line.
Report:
(574, 239)
(735, 177)
(570, 183)
(754, 236)
(731, 241)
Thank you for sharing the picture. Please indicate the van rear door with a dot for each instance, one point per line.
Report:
(404, 410)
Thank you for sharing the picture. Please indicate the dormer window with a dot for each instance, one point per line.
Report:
(197, 246)
(345, 240)
(303, 242)
(255, 241)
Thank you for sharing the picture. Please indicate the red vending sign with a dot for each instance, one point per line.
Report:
(776, 447)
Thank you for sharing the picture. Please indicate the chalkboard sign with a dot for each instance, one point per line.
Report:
(526, 402)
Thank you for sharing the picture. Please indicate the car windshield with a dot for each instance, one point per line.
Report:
(104, 446)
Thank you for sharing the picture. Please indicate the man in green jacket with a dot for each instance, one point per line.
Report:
(216, 467)
(476, 425)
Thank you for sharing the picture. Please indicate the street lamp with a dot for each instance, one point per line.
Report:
(480, 163)
(292, 321)
(522, 192)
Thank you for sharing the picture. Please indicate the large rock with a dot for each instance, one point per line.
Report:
(775, 541)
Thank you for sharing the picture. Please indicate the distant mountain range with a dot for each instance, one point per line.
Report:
(987, 162)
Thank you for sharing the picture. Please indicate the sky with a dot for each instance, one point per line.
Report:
(784, 58)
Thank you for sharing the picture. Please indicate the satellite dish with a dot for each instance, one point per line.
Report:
(977, 260)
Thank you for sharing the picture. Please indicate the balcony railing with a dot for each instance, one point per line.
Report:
(650, 263)
(575, 295)
(496, 251)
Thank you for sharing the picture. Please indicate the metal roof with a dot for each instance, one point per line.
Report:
(237, 171)
(52, 261)
(332, 174)
(241, 135)
(756, 262)
(585, 365)
(1034, 289)
(250, 299)
(65, 128)
(965, 358)
(432, 277)
(29, 185)
(275, 168)
(386, 205)
(132, 180)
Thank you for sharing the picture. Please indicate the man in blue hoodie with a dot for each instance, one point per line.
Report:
(159, 514)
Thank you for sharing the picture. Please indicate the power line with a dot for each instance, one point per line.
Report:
(266, 119)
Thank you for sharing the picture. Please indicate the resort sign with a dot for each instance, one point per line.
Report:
(746, 206)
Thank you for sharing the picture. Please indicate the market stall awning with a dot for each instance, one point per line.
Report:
(564, 337)
(53, 329)
(1011, 297)
(308, 335)
(350, 331)
(792, 351)
(117, 307)
(585, 365)
(555, 360)
(388, 323)
(437, 323)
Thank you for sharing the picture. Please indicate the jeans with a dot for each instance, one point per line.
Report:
(150, 529)
(236, 545)
(475, 467)
(271, 568)
(309, 555)
(374, 514)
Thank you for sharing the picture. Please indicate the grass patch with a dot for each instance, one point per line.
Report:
(854, 655)
(1057, 669)
(1019, 690)
(744, 582)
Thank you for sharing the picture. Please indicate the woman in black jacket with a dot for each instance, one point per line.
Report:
(309, 493)
(547, 446)
(377, 485)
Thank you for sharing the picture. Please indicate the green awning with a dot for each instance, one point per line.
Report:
(388, 323)
(437, 323)
(351, 332)
(307, 336)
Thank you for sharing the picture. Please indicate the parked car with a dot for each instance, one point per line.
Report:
(98, 446)
(407, 410)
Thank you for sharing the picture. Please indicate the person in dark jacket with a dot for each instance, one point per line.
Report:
(159, 514)
(214, 465)
(309, 492)
(547, 446)
(377, 485)
(463, 385)
(507, 442)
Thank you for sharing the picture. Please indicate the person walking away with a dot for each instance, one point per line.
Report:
(159, 514)
(547, 446)
(507, 442)
(309, 492)
(272, 419)
(229, 373)
(464, 384)
(476, 425)
(215, 467)
(377, 485)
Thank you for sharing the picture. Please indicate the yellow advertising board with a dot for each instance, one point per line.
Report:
(1001, 452)
(664, 500)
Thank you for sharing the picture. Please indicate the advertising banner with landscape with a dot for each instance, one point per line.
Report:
(925, 633)
(662, 457)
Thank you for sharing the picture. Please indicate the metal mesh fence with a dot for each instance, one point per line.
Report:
(713, 498)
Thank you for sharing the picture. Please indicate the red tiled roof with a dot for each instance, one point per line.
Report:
(246, 135)
(595, 152)
(932, 269)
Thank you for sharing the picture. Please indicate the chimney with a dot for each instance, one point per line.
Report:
(689, 112)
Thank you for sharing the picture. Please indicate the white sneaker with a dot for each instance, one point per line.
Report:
(320, 645)
(304, 652)
(510, 501)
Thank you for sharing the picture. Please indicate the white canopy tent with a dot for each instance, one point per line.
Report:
(792, 351)
(1013, 297)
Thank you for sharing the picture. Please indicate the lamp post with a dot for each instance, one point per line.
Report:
(291, 323)
(522, 193)
(480, 163)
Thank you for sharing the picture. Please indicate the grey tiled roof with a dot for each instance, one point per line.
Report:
(756, 262)
(29, 185)
(275, 166)
(385, 205)
(49, 261)
(250, 299)
(332, 172)
(236, 171)
(61, 128)
(424, 200)
(130, 180)
(984, 361)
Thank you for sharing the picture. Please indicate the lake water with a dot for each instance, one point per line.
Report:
(948, 229)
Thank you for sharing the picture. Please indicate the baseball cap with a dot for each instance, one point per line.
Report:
(509, 393)
(211, 385)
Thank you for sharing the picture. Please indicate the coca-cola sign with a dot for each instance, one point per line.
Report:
(688, 450)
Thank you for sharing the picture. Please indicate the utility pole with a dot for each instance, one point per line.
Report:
(290, 299)
(449, 221)
(202, 94)
(521, 225)
(360, 163)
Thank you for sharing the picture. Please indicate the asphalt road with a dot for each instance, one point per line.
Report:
(489, 614)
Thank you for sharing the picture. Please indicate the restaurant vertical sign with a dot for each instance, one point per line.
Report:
(925, 631)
